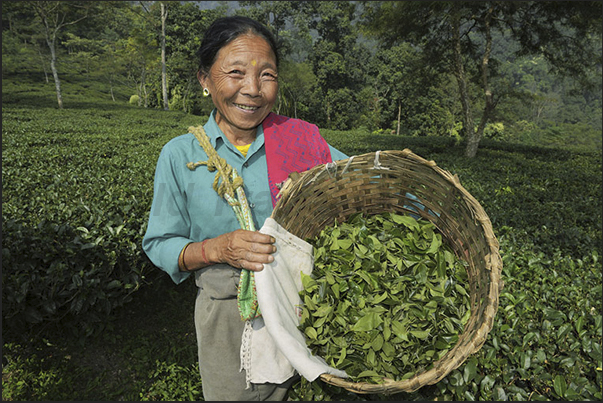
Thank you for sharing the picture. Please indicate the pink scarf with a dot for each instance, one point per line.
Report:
(292, 145)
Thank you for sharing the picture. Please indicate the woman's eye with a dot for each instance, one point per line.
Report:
(270, 76)
(236, 72)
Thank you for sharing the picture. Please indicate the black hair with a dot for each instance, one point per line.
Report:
(223, 31)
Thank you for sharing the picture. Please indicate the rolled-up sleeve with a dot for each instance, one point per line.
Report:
(168, 229)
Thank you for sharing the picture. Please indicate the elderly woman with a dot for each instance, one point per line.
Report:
(191, 229)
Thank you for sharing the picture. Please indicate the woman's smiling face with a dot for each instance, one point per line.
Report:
(243, 86)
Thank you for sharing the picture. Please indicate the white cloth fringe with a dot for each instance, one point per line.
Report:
(246, 352)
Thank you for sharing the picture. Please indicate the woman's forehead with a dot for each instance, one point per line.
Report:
(247, 48)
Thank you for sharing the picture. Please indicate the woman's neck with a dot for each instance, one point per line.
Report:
(237, 137)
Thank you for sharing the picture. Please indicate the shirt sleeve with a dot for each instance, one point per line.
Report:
(168, 229)
(337, 155)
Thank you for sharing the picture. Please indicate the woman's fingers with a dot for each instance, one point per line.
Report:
(248, 249)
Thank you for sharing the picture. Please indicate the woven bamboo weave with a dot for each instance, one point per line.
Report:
(405, 183)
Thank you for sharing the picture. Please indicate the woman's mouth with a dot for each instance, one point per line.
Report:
(247, 107)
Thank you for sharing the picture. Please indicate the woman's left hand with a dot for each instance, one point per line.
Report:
(241, 248)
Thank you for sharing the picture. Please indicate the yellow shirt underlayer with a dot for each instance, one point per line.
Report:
(243, 149)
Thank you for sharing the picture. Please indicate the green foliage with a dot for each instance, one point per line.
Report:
(575, 136)
(387, 297)
(544, 203)
(526, 187)
(75, 201)
(485, 45)
(495, 130)
(545, 343)
(296, 81)
(548, 329)
(148, 354)
(32, 376)
(337, 69)
(171, 382)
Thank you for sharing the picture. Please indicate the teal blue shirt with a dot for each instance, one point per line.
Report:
(187, 209)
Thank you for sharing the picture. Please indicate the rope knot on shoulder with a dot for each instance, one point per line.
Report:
(226, 181)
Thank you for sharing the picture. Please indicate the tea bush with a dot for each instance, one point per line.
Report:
(76, 191)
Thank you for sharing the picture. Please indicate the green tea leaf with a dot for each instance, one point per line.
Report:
(405, 220)
(420, 334)
(560, 385)
(370, 321)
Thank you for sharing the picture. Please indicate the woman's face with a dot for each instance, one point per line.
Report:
(243, 85)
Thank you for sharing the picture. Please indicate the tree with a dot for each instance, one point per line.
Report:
(458, 36)
(295, 83)
(22, 40)
(339, 62)
(164, 85)
(117, 23)
(399, 80)
(288, 21)
(139, 51)
(55, 16)
(276, 15)
(183, 38)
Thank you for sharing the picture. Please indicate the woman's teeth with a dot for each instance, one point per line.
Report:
(247, 108)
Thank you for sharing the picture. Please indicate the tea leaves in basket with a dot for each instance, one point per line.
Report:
(386, 297)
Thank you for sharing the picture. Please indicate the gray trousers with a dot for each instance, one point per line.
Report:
(219, 330)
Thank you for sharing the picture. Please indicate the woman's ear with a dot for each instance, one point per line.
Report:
(202, 78)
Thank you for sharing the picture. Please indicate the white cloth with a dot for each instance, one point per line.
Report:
(273, 347)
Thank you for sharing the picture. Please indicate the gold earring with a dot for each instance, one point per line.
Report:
(205, 92)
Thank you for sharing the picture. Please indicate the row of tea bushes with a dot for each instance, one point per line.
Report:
(76, 192)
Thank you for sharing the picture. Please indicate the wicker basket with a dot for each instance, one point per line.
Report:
(386, 181)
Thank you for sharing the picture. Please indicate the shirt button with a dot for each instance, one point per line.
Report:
(245, 164)
(252, 205)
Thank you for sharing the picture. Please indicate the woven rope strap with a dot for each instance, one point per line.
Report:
(229, 185)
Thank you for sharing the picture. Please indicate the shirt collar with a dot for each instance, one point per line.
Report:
(212, 129)
(214, 133)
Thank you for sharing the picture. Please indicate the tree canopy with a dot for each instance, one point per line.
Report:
(466, 69)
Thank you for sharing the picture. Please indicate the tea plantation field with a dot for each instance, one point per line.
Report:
(86, 316)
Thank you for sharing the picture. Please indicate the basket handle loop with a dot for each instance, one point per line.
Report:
(331, 168)
(377, 164)
(345, 169)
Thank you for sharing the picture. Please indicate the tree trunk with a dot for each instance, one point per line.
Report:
(459, 73)
(143, 87)
(51, 35)
(139, 92)
(47, 11)
(189, 84)
(55, 73)
(489, 106)
(50, 41)
(164, 86)
(294, 102)
(111, 87)
(43, 63)
(399, 114)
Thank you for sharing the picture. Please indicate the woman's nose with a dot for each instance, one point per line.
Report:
(252, 87)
